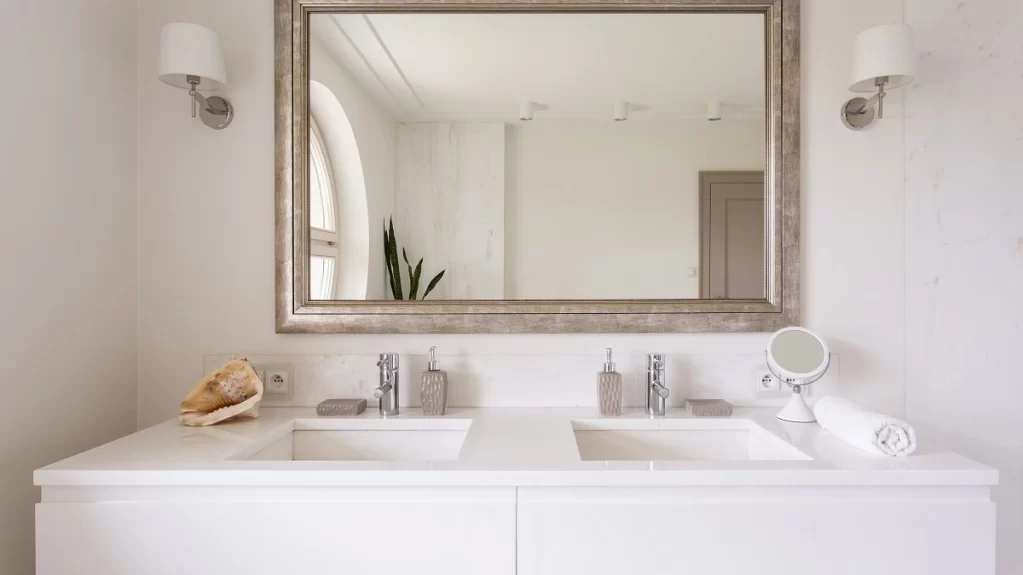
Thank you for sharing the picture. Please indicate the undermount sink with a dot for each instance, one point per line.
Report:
(679, 440)
(372, 440)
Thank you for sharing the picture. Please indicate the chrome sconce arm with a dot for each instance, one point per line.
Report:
(215, 112)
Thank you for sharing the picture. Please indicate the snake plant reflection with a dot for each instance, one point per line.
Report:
(394, 270)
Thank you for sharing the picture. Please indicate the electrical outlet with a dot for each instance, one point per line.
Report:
(767, 386)
(278, 380)
(766, 381)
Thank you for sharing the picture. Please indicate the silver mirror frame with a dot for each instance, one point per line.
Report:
(296, 313)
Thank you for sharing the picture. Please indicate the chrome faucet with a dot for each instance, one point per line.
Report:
(656, 391)
(387, 393)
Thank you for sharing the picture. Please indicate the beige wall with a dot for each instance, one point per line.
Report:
(67, 243)
(206, 223)
(629, 191)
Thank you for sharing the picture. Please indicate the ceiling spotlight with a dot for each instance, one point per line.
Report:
(526, 110)
(621, 111)
(714, 111)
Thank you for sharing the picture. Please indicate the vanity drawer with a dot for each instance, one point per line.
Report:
(728, 531)
(443, 531)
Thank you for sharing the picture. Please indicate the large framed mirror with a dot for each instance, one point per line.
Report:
(522, 167)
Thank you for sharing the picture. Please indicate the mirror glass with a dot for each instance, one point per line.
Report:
(797, 351)
(537, 156)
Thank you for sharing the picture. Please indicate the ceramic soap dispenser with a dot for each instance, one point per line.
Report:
(433, 394)
(609, 389)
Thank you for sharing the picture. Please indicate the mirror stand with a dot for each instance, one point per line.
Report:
(797, 411)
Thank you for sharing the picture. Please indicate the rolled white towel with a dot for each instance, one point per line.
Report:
(866, 430)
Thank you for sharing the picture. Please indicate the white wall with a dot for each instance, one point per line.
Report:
(206, 210)
(374, 130)
(852, 208)
(449, 207)
(630, 194)
(964, 241)
(67, 299)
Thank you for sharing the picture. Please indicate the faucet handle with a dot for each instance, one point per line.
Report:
(381, 391)
(660, 390)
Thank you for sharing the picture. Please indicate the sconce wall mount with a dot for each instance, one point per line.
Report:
(858, 113)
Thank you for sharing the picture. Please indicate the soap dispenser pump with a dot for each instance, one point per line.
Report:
(433, 394)
(609, 389)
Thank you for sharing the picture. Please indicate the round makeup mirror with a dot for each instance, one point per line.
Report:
(797, 357)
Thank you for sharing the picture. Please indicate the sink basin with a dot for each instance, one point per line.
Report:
(679, 440)
(372, 440)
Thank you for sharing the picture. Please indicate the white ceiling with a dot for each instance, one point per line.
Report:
(482, 66)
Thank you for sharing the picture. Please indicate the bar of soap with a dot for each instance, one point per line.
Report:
(341, 407)
(709, 407)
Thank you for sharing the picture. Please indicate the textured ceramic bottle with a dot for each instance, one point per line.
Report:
(609, 389)
(433, 395)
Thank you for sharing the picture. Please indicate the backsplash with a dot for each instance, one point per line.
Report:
(525, 380)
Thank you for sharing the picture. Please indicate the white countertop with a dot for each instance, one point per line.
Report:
(503, 447)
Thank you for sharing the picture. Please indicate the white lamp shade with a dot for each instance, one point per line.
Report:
(191, 49)
(883, 51)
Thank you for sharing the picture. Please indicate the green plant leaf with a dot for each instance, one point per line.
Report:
(433, 283)
(414, 279)
(394, 263)
(411, 279)
(387, 264)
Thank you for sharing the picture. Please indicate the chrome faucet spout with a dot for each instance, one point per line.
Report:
(387, 392)
(656, 387)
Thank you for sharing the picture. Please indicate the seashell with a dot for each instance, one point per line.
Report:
(232, 390)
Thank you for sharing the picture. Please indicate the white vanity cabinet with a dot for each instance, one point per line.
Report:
(764, 531)
(521, 498)
(516, 531)
(258, 531)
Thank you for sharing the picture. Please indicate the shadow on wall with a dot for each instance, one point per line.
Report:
(352, 203)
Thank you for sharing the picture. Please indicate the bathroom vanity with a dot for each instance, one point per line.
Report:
(510, 491)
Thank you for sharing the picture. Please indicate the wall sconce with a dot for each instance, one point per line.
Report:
(191, 57)
(883, 57)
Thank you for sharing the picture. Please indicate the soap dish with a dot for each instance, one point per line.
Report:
(341, 407)
(709, 407)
